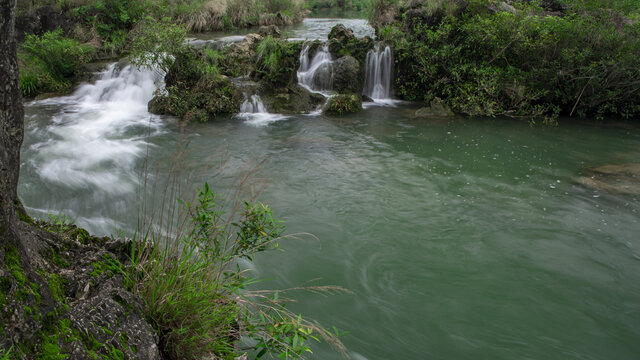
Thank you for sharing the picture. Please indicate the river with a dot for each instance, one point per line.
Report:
(458, 238)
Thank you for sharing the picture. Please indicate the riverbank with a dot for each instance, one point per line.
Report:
(516, 58)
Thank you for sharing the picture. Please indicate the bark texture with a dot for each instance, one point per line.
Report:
(11, 116)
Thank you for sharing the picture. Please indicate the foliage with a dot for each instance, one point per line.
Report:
(194, 289)
(47, 62)
(155, 43)
(277, 60)
(111, 16)
(522, 63)
(343, 104)
(6, 354)
(357, 5)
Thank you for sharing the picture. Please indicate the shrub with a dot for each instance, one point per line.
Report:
(194, 289)
(521, 64)
(343, 104)
(277, 60)
(47, 62)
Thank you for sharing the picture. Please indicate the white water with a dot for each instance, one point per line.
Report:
(91, 141)
(319, 28)
(253, 104)
(316, 73)
(254, 112)
(378, 73)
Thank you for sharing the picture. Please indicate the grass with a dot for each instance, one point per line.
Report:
(187, 270)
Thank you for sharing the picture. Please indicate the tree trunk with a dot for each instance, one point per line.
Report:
(11, 118)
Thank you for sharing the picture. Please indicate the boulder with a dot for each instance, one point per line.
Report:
(346, 75)
(343, 104)
(43, 19)
(341, 33)
(269, 30)
(437, 108)
(293, 99)
(613, 178)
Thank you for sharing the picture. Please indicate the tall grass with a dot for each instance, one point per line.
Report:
(187, 269)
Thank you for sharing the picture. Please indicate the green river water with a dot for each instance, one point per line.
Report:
(458, 238)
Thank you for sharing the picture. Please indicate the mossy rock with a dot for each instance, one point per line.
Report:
(347, 75)
(293, 99)
(342, 42)
(343, 104)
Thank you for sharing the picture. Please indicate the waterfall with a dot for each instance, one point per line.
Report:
(254, 112)
(378, 73)
(317, 73)
(100, 132)
(253, 104)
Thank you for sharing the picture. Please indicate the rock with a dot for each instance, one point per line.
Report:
(293, 99)
(346, 75)
(437, 108)
(343, 104)
(341, 33)
(613, 178)
(159, 105)
(501, 7)
(43, 19)
(269, 30)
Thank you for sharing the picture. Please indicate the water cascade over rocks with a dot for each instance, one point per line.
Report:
(378, 73)
(317, 73)
(253, 104)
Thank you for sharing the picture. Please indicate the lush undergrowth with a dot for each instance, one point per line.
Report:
(106, 29)
(49, 62)
(355, 5)
(544, 58)
(196, 293)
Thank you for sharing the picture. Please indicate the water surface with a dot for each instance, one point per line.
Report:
(459, 238)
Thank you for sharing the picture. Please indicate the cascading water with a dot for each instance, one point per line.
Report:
(253, 104)
(378, 73)
(255, 113)
(92, 140)
(316, 74)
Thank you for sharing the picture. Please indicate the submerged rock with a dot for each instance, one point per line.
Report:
(613, 178)
(437, 108)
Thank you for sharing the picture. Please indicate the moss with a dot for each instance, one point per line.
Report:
(22, 214)
(12, 261)
(107, 265)
(35, 290)
(343, 104)
(58, 260)
(56, 286)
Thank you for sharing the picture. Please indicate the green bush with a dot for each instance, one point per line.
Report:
(277, 60)
(48, 62)
(343, 104)
(521, 64)
(195, 293)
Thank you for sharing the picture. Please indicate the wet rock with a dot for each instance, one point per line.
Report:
(43, 19)
(346, 75)
(437, 108)
(292, 99)
(613, 178)
(343, 104)
(269, 30)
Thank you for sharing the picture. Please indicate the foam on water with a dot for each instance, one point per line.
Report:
(92, 142)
